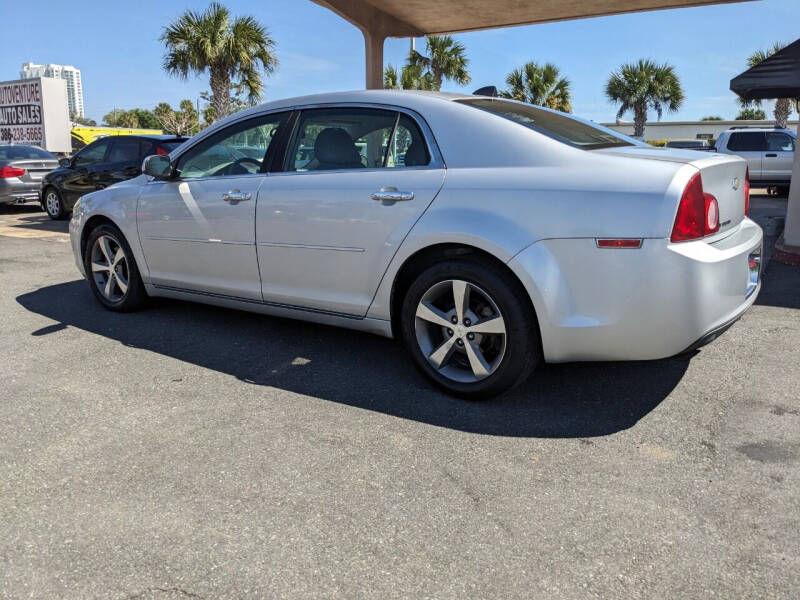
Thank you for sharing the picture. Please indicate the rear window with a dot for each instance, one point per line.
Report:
(170, 145)
(23, 153)
(559, 126)
(747, 141)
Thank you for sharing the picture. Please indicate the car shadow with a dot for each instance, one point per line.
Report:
(31, 216)
(366, 371)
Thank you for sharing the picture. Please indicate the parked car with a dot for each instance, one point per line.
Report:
(689, 144)
(769, 153)
(98, 165)
(550, 237)
(21, 172)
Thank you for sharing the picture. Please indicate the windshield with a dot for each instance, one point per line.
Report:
(23, 153)
(565, 128)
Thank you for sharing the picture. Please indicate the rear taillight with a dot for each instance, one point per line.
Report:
(160, 151)
(747, 191)
(6, 172)
(698, 213)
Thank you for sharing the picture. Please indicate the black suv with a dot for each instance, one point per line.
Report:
(102, 163)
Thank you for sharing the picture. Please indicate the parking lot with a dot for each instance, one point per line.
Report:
(191, 451)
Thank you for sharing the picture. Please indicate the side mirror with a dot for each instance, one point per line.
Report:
(64, 163)
(157, 166)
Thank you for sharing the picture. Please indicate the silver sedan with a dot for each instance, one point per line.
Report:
(21, 172)
(488, 235)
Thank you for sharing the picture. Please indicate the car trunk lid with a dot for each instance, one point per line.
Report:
(723, 176)
(35, 169)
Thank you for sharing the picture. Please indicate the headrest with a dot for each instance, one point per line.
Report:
(335, 146)
(417, 154)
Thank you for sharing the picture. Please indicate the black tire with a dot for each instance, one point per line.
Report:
(53, 204)
(522, 342)
(134, 295)
(783, 190)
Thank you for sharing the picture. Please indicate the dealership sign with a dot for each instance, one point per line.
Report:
(34, 112)
(21, 118)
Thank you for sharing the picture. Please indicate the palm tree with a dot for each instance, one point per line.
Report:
(410, 77)
(539, 85)
(446, 59)
(229, 49)
(783, 106)
(644, 85)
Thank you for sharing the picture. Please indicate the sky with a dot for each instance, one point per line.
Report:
(116, 46)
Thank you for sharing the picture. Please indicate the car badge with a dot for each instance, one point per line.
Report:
(735, 183)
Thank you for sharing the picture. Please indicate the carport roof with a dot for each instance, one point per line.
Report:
(405, 18)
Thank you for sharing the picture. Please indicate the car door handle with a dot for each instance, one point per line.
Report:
(235, 196)
(392, 194)
(772, 156)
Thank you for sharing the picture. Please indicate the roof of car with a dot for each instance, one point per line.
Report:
(161, 138)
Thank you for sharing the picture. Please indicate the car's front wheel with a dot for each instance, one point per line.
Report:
(54, 204)
(469, 328)
(112, 271)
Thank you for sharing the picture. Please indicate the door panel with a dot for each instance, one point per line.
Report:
(198, 231)
(325, 227)
(193, 238)
(324, 243)
(776, 162)
(750, 146)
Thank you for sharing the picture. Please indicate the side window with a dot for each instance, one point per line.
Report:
(124, 149)
(93, 153)
(408, 147)
(780, 142)
(328, 139)
(239, 149)
(746, 141)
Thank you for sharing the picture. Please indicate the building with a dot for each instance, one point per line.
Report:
(66, 72)
(688, 130)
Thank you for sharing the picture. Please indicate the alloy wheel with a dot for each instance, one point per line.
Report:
(109, 268)
(460, 330)
(53, 203)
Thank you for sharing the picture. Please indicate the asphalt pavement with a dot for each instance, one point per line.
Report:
(186, 451)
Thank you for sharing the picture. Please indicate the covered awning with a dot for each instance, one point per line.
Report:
(776, 77)
(379, 19)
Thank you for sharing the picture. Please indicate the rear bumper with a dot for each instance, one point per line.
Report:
(653, 302)
(13, 191)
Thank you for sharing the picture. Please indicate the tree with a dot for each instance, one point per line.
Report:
(446, 59)
(178, 122)
(783, 106)
(539, 85)
(236, 50)
(712, 118)
(751, 113)
(410, 77)
(145, 118)
(76, 118)
(642, 86)
(238, 102)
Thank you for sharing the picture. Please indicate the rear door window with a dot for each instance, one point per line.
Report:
(747, 141)
(124, 149)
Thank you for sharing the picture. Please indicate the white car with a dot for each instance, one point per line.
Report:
(488, 235)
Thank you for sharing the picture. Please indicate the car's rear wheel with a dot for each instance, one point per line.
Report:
(468, 328)
(783, 190)
(54, 204)
(112, 271)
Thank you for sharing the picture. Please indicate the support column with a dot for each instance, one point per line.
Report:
(791, 232)
(373, 43)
